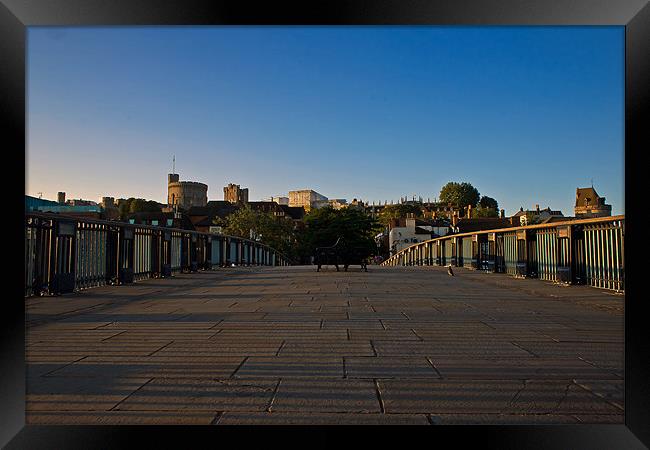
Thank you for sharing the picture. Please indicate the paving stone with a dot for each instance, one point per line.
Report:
(263, 325)
(279, 418)
(324, 349)
(573, 349)
(383, 335)
(120, 418)
(220, 347)
(555, 397)
(36, 369)
(290, 367)
(518, 368)
(80, 394)
(153, 367)
(387, 367)
(503, 419)
(449, 349)
(300, 335)
(323, 395)
(600, 418)
(169, 394)
(447, 396)
(611, 391)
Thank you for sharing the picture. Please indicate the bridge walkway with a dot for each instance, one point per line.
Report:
(287, 345)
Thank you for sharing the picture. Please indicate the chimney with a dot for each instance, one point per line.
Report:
(60, 198)
(469, 211)
(537, 208)
(503, 213)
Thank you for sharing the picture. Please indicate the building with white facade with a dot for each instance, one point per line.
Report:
(406, 232)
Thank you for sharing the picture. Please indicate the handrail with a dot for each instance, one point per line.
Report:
(581, 251)
(149, 227)
(525, 227)
(137, 225)
(64, 253)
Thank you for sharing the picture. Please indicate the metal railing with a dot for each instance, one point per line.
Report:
(64, 254)
(585, 251)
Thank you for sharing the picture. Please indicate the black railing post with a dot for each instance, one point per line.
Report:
(62, 258)
(578, 269)
(155, 254)
(42, 262)
(193, 252)
(531, 253)
(208, 252)
(126, 255)
(166, 254)
(185, 266)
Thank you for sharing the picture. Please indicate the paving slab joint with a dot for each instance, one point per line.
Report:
(275, 392)
(239, 367)
(378, 392)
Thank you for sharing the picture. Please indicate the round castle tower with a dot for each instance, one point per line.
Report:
(185, 194)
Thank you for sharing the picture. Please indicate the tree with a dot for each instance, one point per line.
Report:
(324, 226)
(488, 202)
(459, 194)
(398, 211)
(276, 232)
(135, 205)
(487, 207)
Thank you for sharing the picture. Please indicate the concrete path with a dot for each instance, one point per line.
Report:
(288, 345)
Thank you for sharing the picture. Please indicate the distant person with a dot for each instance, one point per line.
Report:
(449, 271)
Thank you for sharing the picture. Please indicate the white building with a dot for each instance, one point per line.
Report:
(411, 231)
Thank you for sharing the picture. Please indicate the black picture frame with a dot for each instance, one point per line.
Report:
(16, 15)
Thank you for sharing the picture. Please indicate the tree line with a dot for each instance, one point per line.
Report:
(458, 195)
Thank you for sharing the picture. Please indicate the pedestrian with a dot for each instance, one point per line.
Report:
(449, 271)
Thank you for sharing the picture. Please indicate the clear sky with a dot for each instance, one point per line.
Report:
(525, 114)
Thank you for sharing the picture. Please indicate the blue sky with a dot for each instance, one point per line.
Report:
(525, 114)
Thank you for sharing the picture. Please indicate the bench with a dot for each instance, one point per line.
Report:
(340, 254)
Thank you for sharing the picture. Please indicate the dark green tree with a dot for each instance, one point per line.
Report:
(135, 205)
(459, 194)
(324, 226)
(487, 207)
(488, 202)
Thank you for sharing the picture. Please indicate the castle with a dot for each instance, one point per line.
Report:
(185, 194)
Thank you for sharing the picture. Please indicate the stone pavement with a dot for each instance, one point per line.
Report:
(287, 345)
